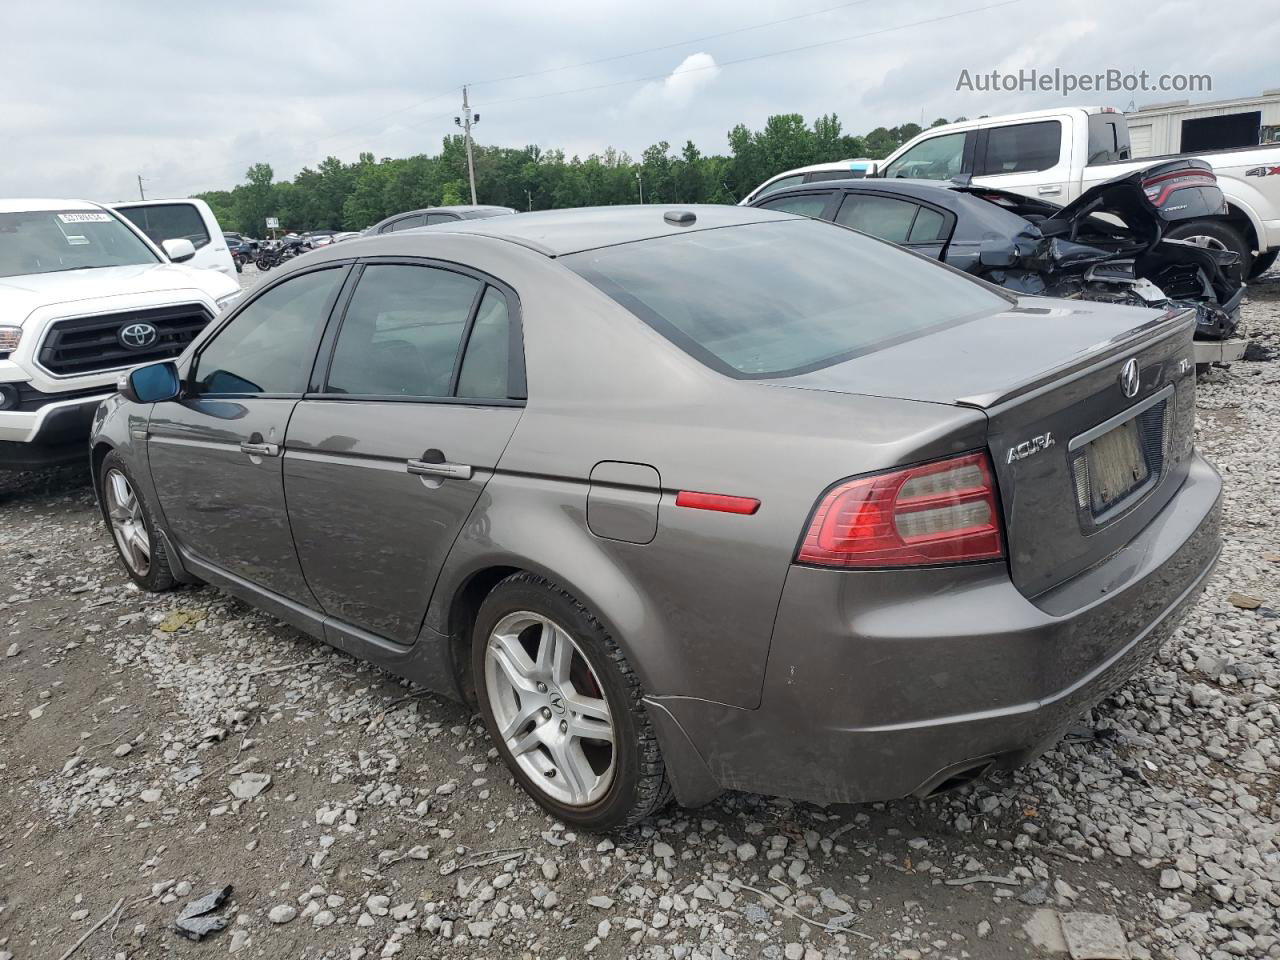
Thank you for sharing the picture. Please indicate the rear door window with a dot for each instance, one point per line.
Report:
(882, 217)
(784, 297)
(807, 205)
(402, 332)
(440, 218)
(169, 221)
(405, 223)
(1021, 148)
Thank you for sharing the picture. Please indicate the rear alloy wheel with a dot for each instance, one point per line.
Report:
(564, 707)
(132, 527)
(549, 708)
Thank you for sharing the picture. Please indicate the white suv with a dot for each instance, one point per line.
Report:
(85, 295)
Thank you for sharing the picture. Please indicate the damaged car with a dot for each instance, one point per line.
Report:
(1109, 244)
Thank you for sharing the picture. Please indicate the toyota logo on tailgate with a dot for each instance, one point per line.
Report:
(138, 336)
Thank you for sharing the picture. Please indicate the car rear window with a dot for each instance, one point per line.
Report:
(782, 298)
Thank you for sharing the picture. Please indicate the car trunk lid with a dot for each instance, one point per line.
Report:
(1085, 452)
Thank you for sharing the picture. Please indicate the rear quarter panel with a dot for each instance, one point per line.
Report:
(694, 608)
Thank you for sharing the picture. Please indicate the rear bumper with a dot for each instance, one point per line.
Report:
(883, 685)
(1220, 351)
(51, 434)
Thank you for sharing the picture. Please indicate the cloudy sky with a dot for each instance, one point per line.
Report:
(188, 95)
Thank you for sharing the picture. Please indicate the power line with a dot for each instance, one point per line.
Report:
(754, 57)
(662, 76)
(669, 46)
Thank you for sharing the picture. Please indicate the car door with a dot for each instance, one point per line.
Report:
(215, 452)
(906, 222)
(383, 464)
(1032, 158)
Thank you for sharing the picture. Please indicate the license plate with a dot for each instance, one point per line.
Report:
(1116, 465)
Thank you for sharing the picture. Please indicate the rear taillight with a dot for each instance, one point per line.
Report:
(941, 512)
(1159, 187)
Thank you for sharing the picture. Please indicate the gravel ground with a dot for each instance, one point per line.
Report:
(154, 749)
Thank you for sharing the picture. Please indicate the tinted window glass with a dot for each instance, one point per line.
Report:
(779, 184)
(171, 221)
(770, 299)
(938, 158)
(1108, 138)
(270, 345)
(928, 226)
(440, 218)
(835, 175)
(881, 217)
(484, 366)
(405, 223)
(1022, 147)
(402, 331)
(810, 205)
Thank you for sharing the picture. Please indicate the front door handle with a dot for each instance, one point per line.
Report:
(450, 471)
(1049, 189)
(261, 449)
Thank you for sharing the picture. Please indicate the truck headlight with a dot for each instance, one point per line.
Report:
(225, 303)
(9, 337)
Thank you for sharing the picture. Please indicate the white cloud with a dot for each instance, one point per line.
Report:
(695, 73)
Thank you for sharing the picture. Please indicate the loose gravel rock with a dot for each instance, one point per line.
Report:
(357, 817)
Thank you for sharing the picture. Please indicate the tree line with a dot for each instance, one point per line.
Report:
(351, 196)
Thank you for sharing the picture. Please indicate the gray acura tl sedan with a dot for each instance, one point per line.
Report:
(685, 500)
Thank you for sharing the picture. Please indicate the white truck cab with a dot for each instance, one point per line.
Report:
(85, 295)
(185, 219)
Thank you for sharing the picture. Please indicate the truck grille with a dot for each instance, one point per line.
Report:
(90, 344)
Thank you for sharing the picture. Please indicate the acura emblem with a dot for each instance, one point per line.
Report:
(1129, 380)
(138, 336)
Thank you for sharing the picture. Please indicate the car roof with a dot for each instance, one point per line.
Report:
(36, 204)
(557, 233)
(158, 202)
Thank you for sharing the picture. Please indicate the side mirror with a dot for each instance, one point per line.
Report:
(153, 383)
(179, 251)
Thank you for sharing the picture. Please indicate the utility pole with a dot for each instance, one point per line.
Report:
(141, 195)
(465, 122)
(640, 183)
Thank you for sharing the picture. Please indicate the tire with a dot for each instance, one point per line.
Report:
(239, 265)
(1262, 263)
(1219, 234)
(264, 264)
(155, 576)
(635, 784)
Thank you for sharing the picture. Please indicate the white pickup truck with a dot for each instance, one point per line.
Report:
(1058, 154)
(84, 295)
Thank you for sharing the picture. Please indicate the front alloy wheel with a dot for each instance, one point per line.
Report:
(128, 526)
(549, 708)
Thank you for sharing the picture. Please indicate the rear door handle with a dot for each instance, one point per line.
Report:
(1048, 189)
(450, 471)
(261, 449)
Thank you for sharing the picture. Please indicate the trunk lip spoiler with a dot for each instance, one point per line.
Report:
(1177, 321)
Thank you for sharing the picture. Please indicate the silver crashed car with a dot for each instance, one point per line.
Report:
(685, 500)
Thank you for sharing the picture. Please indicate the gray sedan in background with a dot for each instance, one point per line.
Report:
(685, 500)
(430, 216)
